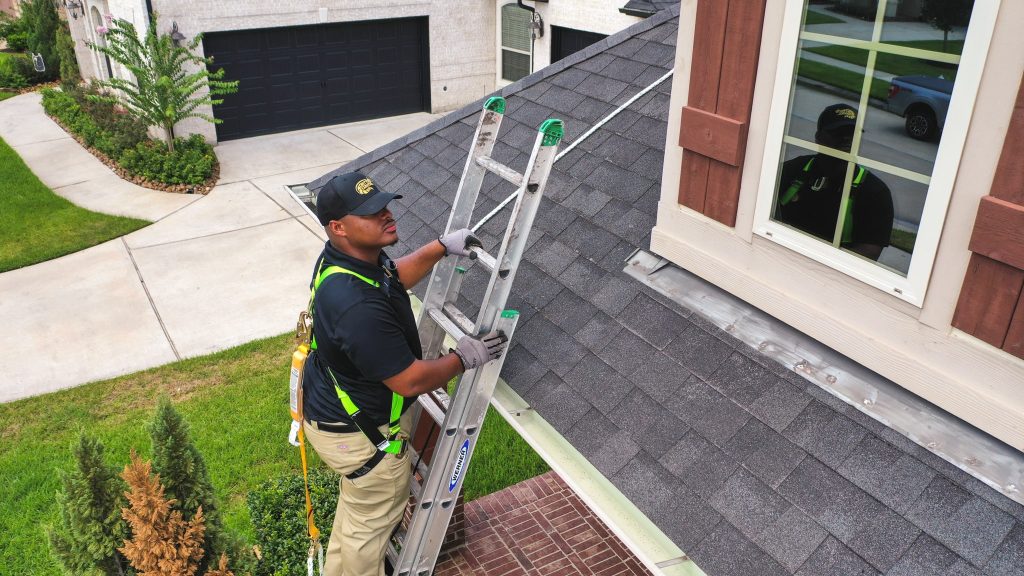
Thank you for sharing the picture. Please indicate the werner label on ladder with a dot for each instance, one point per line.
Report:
(368, 358)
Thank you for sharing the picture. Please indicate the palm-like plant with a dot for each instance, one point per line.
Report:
(169, 82)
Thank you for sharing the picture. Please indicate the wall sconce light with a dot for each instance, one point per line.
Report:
(74, 9)
(176, 36)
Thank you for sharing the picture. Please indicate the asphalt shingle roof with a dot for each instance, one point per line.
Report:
(750, 469)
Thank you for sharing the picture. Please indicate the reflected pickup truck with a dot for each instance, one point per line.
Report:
(923, 101)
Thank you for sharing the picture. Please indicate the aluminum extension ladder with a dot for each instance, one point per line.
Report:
(413, 552)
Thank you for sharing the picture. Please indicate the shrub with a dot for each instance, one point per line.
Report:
(191, 162)
(278, 512)
(69, 74)
(42, 23)
(15, 71)
(13, 30)
(90, 528)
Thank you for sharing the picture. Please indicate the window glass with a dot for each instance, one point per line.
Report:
(516, 42)
(868, 102)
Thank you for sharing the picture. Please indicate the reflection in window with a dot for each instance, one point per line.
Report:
(868, 102)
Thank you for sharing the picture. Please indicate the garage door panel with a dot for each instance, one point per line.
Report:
(300, 77)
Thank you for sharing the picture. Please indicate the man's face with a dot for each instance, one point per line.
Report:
(373, 231)
(840, 138)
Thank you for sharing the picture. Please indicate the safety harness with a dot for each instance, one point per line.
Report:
(390, 445)
(792, 194)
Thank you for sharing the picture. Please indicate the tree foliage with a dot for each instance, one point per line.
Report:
(42, 23)
(90, 526)
(163, 542)
(69, 73)
(184, 474)
(946, 14)
(170, 83)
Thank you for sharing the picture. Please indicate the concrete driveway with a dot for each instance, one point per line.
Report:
(211, 272)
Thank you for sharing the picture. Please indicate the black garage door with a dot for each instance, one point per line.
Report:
(306, 76)
(566, 41)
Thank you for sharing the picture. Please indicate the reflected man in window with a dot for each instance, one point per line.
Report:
(811, 190)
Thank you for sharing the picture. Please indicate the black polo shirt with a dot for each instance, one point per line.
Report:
(817, 211)
(364, 334)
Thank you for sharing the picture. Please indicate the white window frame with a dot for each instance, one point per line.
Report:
(502, 47)
(947, 161)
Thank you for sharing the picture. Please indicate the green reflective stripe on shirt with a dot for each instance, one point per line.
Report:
(795, 187)
(848, 217)
(397, 400)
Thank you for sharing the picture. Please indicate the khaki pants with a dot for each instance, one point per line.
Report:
(369, 507)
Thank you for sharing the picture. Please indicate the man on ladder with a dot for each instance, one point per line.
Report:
(366, 365)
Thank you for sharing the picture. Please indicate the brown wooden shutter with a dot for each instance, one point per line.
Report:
(991, 305)
(713, 129)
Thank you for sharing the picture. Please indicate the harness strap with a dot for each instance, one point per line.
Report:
(794, 189)
(392, 444)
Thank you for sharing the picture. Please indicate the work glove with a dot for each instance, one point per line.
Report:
(475, 351)
(459, 243)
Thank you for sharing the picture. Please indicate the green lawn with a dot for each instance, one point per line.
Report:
(6, 95)
(840, 78)
(236, 403)
(815, 17)
(38, 225)
(897, 65)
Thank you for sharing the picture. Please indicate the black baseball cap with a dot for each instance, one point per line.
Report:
(837, 116)
(350, 193)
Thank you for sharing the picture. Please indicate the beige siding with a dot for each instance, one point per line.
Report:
(915, 347)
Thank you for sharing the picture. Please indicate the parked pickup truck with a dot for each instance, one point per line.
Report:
(923, 101)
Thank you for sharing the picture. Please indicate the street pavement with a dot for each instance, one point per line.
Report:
(210, 273)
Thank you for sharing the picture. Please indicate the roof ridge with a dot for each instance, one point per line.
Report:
(476, 106)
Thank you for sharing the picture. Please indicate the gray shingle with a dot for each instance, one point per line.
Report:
(588, 112)
(551, 256)
(569, 312)
(826, 434)
(628, 48)
(645, 483)
(531, 114)
(727, 552)
(635, 226)
(764, 452)
(534, 285)
(599, 383)
(780, 405)
(686, 518)
(586, 200)
(589, 240)
(648, 131)
(382, 173)
(618, 182)
(742, 380)
(622, 121)
(581, 164)
(699, 464)
(560, 186)
(615, 260)
(458, 133)
(581, 276)
(748, 504)
(559, 404)
(521, 369)
(792, 538)
(832, 558)
(411, 191)
(430, 174)
(699, 351)
(873, 531)
(606, 446)
(550, 344)
(430, 146)
(453, 158)
(602, 88)
(649, 76)
(558, 98)
(659, 376)
(623, 69)
(406, 159)
(518, 135)
(649, 424)
(553, 218)
(895, 478)
(656, 54)
(649, 165)
(651, 321)
(620, 150)
(598, 332)
(597, 63)
(705, 409)
(929, 558)
(962, 521)
(569, 78)
(626, 353)
(429, 207)
(1009, 558)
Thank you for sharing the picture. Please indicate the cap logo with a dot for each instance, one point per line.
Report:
(364, 186)
(846, 113)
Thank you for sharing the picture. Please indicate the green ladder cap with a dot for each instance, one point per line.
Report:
(460, 269)
(553, 130)
(509, 313)
(495, 104)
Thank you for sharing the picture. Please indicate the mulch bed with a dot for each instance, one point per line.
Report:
(203, 188)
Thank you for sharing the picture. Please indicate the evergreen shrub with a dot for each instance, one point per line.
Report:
(191, 161)
(278, 512)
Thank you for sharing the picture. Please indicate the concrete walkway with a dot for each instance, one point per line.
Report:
(211, 272)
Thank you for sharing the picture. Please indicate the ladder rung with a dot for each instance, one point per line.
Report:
(432, 409)
(460, 319)
(500, 169)
(487, 261)
(446, 323)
